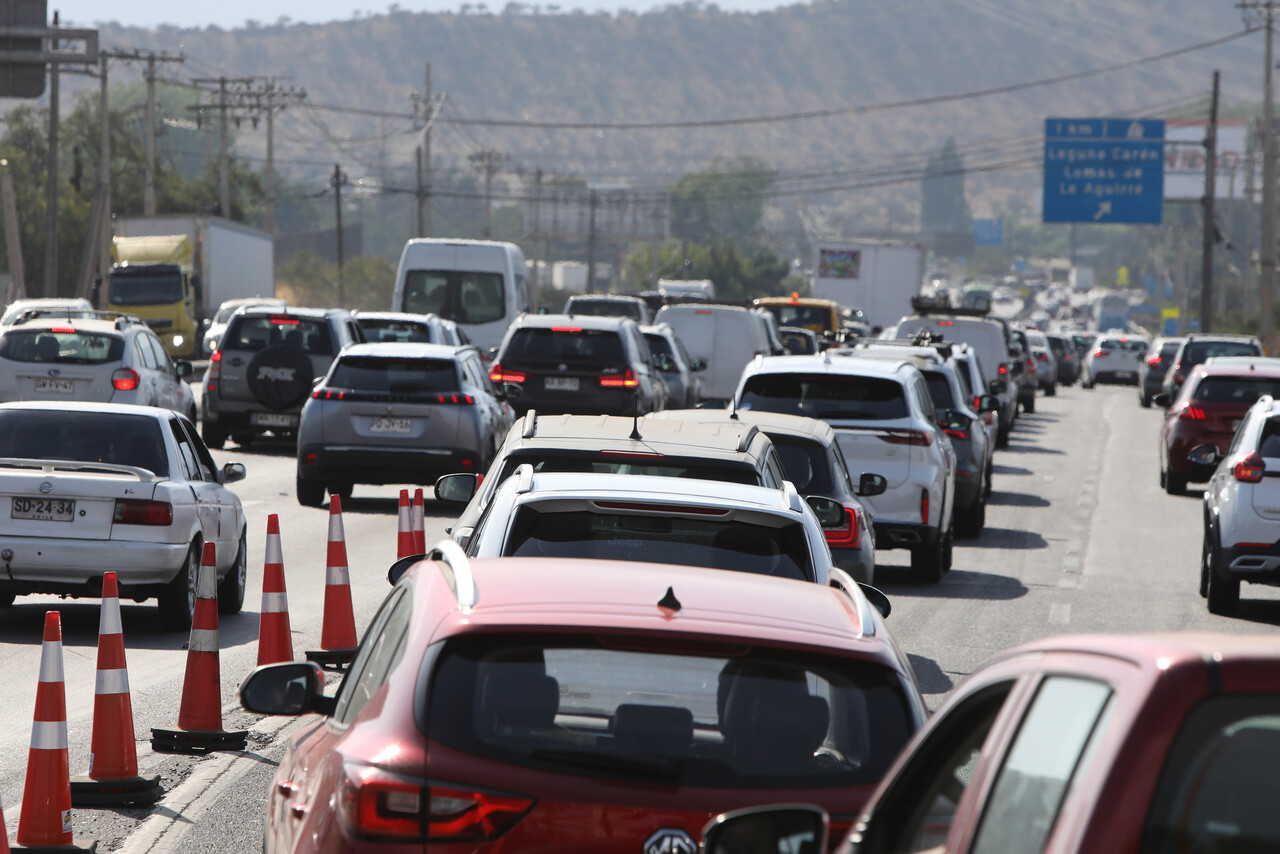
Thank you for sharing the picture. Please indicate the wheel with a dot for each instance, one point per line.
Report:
(1051, 391)
(1002, 437)
(1208, 562)
(231, 588)
(971, 520)
(930, 561)
(1223, 595)
(1175, 484)
(1086, 384)
(986, 490)
(342, 489)
(177, 602)
(214, 436)
(1029, 405)
(310, 493)
(1144, 400)
(244, 440)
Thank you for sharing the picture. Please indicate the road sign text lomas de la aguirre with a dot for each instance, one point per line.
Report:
(1104, 170)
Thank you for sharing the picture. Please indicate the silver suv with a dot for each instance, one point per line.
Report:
(265, 366)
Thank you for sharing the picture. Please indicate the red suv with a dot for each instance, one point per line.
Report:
(521, 704)
(1209, 408)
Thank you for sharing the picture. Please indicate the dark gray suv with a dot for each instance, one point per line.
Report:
(264, 368)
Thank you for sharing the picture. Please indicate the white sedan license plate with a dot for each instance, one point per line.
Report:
(562, 383)
(53, 386)
(43, 509)
(390, 425)
(272, 419)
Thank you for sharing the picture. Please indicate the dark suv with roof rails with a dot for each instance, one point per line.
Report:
(264, 367)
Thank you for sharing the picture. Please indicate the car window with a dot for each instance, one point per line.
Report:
(394, 376)
(187, 455)
(842, 468)
(163, 362)
(962, 374)
(395, 330)
(1197, 352)
(464, 296)
(117, 438)
(569, 345)
(142, 352)
(658, 344)
(1048, 754)
(378, 654)
(773, 465)
(1269, 440)
(257, 332)
(940, 391)
(804, 462)
(207, 466)
(1240, 391)
(559, 461)
(825, 396)
(62, 345)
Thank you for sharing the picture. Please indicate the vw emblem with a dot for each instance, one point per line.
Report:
(46, 487)
(562, 368)
(54, 372)
(670, 840)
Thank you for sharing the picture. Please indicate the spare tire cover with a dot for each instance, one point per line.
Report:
(280, 377)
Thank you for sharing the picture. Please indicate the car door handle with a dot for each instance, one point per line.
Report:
(298, 810)
(286, 788)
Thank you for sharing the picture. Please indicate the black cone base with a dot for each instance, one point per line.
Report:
(197, 741)
(129, 791)
(77, 845)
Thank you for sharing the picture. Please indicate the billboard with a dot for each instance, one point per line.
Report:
(614, 213)
(1184, 159)
(839, 263)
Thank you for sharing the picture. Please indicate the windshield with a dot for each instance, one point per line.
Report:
(723, 716)
(567, 345)
(64, 347)
(604, 308)
(815, 317)
(394, 376)
(1197, 352)
(1240, 391)
(102, 437)
(663, 538)
(628, 462)
(461, 295)
(825, 396)
(145, 288)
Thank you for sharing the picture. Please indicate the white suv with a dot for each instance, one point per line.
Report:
(885, 422)
(1242, 509)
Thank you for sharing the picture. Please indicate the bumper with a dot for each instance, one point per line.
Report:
(384, 465)
(75, 567)
(902, 535)
(1260, 565)
(243, 421)
(1126, 377)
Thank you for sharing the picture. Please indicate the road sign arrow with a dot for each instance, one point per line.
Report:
(1104, 209)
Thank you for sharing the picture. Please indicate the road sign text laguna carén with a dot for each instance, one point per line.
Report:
(1104, 170)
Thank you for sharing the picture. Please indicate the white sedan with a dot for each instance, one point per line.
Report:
(86, 488)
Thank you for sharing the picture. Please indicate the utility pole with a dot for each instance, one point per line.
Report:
(429, 113)
(1267, 246)
(338, 179)
(104, 173)
(1210, 223)
(149, 174)
(234, 95)
(488, 162)
(51, 186)
(591, 244)
(224, 162)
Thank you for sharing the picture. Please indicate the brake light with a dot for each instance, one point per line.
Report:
(566, 329)
(285, 321)
(924, 507)
(632, 455)
(1154, 361)
(498, 375)
(138, 511)
(1003, 369)
(703, 311)
(1042, 357)
(467, 814)
(329, 394)
(956, 434)
(848, 536)
(1100, 352)
(624, 380)
(1193, 413)
(459, 399)
(1250, 469)
(688, 509)
(946, 323)
(124, 379)
(907, 437)
(377, 805)
(69, 330)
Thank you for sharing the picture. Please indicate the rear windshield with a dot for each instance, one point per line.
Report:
(641, 709)
(660, 538)
(257, 332)
(797, 344)
(461, 295)
(629, 463)
(145, 289)
(394, 376)
(102, 437)
(804, 462)
(564, 345)
(826, 397)
(71, 347)
(1169, 348)
(1128, 345)
(396, 330)
(940, 390)
(809, 316)
(604, 308)
(1197, 352)
(659, 345)
(1235, 390)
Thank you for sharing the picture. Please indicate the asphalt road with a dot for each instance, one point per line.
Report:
(1079, 538)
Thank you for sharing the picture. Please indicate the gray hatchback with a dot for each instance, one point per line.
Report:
(398, 413)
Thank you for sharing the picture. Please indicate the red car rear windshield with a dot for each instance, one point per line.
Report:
(1235, 391)
(687, 714)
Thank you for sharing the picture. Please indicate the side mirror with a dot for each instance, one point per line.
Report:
(664, 363)
(231, 472)
(698, 365)
(794, 828)
(830, 512)
(870, 485)
(291, 688)
(877, 598)
(182, 369)
(401, 566)
(316, 381)
(954, 421)
(510, 391)
(1205, 455)
(996, 386)
(1162, 399)
(493, 353)
(988, 403)
(457, 488)
(206, 323)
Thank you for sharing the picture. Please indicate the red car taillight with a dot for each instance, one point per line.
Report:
(907, 437)
(850, 535)
(499, 375)
(624, 380)
(459, 399)
(1100, 352)
(1193, 413)
(1003, 369)
(1154, 361)
(1250, 469)
(137, 511)
(124, 379)
(1042, 357)
(924, 507)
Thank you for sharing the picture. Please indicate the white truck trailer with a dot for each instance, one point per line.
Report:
(877, 276)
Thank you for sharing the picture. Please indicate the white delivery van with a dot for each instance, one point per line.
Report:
(480, 284)
(727, 338)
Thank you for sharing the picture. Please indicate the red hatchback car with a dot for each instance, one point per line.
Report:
(526, 704)
(1213, 400)
(1103, 743)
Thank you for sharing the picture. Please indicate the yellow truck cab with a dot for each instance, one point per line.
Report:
(152, 277)
(820, 316)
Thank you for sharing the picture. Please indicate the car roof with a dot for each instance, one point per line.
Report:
(592, 486)
(664, 329)
(604, 298)
(403, 350)
(575, 321)
(809, 301)
(824, 364)
(614, 432)
(1160, 651)
(401, 316)
(80, 324)
(88, 406)
(769, 422)
(291, 311)
(1239, 366)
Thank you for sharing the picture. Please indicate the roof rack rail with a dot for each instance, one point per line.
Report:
(524, 478)
(842, 581)
(744, 441)
(530, 424)
(464, 583)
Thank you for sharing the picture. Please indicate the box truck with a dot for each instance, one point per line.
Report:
(879, 277)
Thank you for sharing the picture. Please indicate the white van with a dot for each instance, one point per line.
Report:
(482, 285)
(727, 338)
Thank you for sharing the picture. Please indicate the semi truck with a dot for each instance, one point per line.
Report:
(174, 271)
(878, 277)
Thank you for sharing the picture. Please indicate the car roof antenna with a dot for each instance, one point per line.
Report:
(669, 602)
(635, 417)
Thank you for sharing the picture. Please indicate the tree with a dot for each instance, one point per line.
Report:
(725, 202)
(943, 206)
(736, 277)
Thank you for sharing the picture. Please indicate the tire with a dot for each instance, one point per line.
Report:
(1029, 405)
(214, 436)
(310, 493)
(280, 377)
(929, 561)
(177, 601)
(231, 588)
(344, 488)
(1175, 484)
(1144, 400)
(1208, 562)
(244, 440)
(986, 491)
(1223, 595)
(1051, 391)
(971, 520)
(1002, 437)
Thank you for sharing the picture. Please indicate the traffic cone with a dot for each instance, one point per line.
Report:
(419, 524)
(338, 630)
(406, 545)
(45, 822)
(275, 641)
(113, 757)
(200, 715)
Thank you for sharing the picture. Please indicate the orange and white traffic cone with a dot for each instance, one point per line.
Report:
(275, 641)
(113, 757)
(200, 714)
(338, 630)
(419, 524)
(406, 545)
(45, 821)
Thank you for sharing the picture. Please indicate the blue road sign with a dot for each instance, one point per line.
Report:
(1104, 170)
(988, 232)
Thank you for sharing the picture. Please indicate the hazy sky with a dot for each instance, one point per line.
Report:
(233, 13)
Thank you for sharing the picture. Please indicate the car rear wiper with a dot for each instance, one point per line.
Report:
(657, 768)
